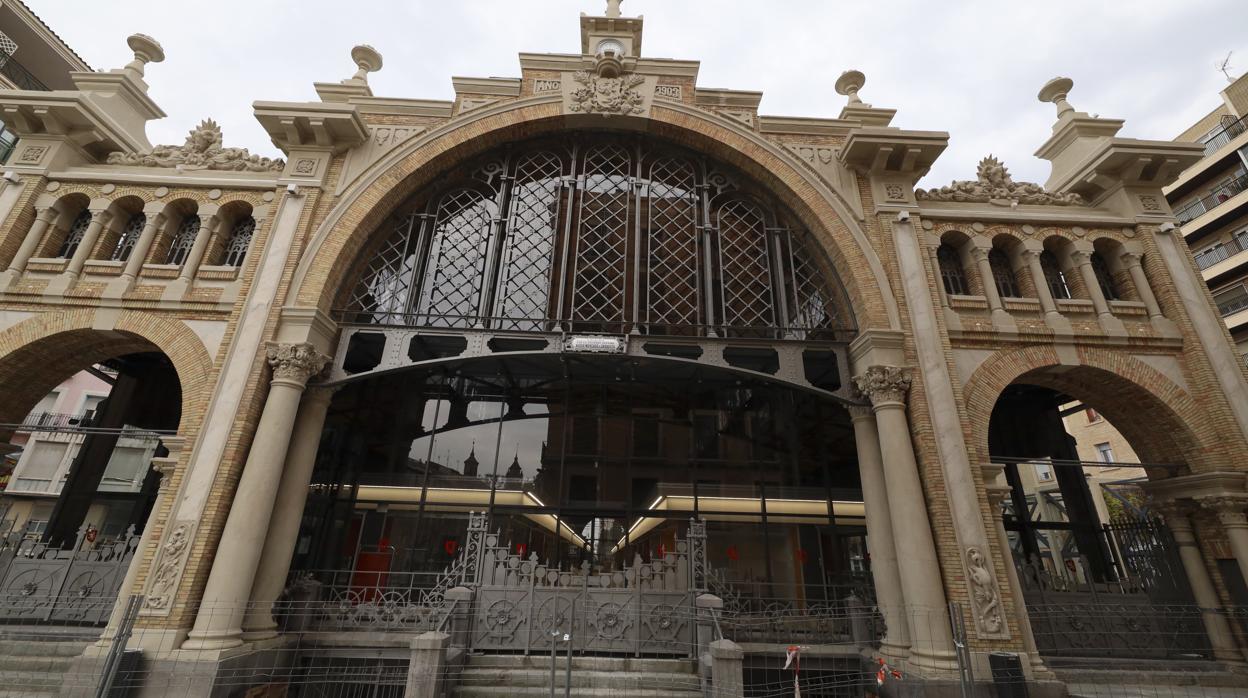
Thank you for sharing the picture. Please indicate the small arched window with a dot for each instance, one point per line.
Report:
(183, 239)
(129, 237)
(951, 272)
(240, 240)
(1003, 274)
(74, 237)
(1053, 275)
(1105, 278)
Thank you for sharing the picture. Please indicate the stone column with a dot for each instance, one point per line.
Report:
(986, 278)
(165, 468)
(931, 640)
(1032, 257)
(997, 495)
(880, 544)
(43, 219)
(292, 494)
(219, 622)
(1230, 510)
(428, 664)
(1216, 625)
(727, 669)
(207, 228)
(1131, 260)
(141, 248)
(1083, 260)
(99, 219)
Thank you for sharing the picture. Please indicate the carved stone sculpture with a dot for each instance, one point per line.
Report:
(994, 184)
(984, 592)
(169, 571)
(608, 95)
(201, 151)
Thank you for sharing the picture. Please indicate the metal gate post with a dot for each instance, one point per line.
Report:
(957, 622)
(112, 661)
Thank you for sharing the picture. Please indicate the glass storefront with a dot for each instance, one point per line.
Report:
(587, 462)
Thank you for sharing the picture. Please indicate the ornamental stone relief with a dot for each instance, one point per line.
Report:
(201, 151)
(884, 383)
(608, 95)
(295, 362)
(987, 604)
(168, 571)
(993, 184)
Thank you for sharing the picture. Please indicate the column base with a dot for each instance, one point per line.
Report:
(1112, 325)
(1059, 324)
(176, 289)
(1003, 321)
(931, 663)
(8, 278)
(59, 285)
(118, 287)
(213, 640)
(260, 632)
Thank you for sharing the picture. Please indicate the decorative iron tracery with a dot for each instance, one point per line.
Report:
(240, 241)
(183, 240)
(73, 238)
(598, 234)
(129, 237)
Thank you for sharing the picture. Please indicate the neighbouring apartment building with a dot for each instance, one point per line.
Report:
(1210, 202)
(599, 361)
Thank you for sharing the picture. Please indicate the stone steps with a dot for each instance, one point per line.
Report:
(496, 676)
(1148, 676)
(31, 667)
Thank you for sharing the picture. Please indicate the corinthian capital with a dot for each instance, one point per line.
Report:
(1231, 509)
(295, 362)
(884, 384)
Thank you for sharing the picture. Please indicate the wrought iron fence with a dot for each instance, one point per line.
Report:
(76, 585)
(1214, 199)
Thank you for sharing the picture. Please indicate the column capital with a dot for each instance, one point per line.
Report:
(1231, 509)
(1176, 513)
(884, 384)
(978, 253)
(1081, 257)
(1130, 257)
(295, 362)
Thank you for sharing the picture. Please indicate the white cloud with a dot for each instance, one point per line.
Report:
(971, 68)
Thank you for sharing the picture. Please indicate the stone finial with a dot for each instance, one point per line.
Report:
(849, 83)
(613, 8)
(367, 60)
(1055, 91)
(146, 50)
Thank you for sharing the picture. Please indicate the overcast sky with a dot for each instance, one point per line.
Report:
(969, 68)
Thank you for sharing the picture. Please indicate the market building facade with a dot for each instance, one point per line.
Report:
(600, 351)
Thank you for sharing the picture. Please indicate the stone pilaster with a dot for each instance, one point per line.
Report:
(1231, 511)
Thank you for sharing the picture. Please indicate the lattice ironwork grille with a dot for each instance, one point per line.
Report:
(240, 240)
(129, 237)
(602, 234)
(183, 240)
(74, 237)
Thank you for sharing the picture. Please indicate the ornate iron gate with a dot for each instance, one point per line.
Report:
(1147, 612)
(644, 608)
(39, 582)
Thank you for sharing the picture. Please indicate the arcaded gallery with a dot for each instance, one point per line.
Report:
(597, 381)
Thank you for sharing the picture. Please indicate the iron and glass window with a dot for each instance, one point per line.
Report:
(73, 238)
(1053, 275)
(1105, 278)
(598, 233)
(240, 241)
(1003, 274)
(951, 272)
(129, 237)
(183, 240)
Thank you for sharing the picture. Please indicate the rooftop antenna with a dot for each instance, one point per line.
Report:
(1225, 66)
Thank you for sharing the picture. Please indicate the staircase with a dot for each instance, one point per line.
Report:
(36, 667)
(1170, 678)
(490, 676)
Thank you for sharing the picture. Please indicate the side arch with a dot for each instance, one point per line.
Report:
(1146, 406)
(38, 353)
(365, 205)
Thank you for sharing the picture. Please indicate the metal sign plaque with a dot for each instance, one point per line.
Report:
(596, 344)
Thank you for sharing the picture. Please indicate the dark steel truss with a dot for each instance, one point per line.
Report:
(599, 233)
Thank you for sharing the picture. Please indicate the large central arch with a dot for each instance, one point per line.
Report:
(394, 178)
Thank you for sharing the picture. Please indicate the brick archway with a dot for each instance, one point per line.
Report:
(348, 226)
(40, 352)
(1156, 416)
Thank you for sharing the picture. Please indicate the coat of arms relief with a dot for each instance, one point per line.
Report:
(608, 95)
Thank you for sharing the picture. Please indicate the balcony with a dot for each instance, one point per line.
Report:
(56, 421)
(1226, 135)
(1210, 260)
(17, 74)
(1233, 305)
(1215, 198)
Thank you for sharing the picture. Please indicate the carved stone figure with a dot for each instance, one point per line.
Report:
(201, 151)
(984, 592)
(608, 95)
(165, 579)
(994, 184)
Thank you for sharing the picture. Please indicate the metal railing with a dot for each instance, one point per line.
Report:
(43, 421)
(19, 75)
(1225, 135)
(1215, 198)
(1231, 301)
(1221, 251)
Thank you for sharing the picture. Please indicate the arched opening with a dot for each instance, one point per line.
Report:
(1100, 571)
(598, 467)
(87, 413)
(597, 232)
